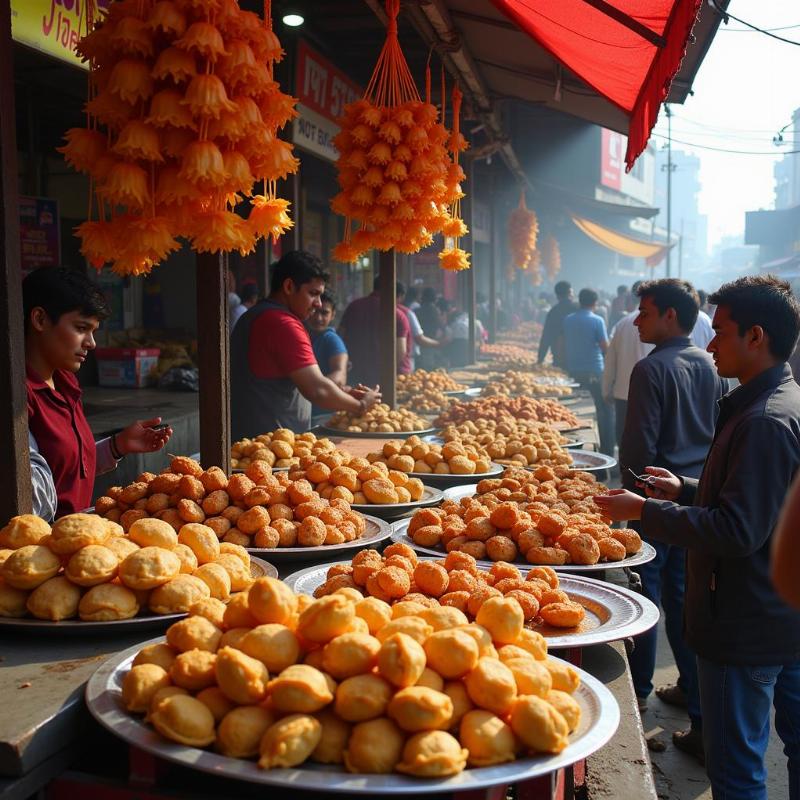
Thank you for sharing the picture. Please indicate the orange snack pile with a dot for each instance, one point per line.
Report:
(544, 517)
(415, 456)
(278, 448)
(523, 230)
(182, 120)
(500, 408)
(513, 383)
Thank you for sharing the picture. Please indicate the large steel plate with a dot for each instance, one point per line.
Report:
(612, 612)
(324, 429)
(589, 461)
(448, 480)
(378, 530)
(430, 497)
(599, 721)
(647, 553)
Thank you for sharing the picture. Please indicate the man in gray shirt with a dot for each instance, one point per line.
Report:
(672, 408)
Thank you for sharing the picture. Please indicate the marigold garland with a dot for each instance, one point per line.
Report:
(523, 229)
(182, 118)
(551, 256)
(399, 183)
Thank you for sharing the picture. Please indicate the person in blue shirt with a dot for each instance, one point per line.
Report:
(585, 344)
(329, 349)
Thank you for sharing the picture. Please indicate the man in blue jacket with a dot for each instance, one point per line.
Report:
(747, 640)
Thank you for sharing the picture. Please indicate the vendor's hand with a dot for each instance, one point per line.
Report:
(370, 398)
(620, 504)
(361, 390)
(664, 486)
(141, 437)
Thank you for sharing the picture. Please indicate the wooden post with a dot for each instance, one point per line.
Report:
(15, 464)
(387, 334)
(471, 310)
(213, 355)
(493, 244)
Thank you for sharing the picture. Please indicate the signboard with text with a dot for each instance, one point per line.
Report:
(38, 233)
(52, 26)
(611, 149)
(323, 91)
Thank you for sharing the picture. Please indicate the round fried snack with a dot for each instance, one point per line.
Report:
(299, 689)
(459, 697)
(240, 732)
(120, 547)
(375, 746)
(433, 754)
(149, 567)
(431, 578)
(482, 638)
(503, 618)
(350, 654)
(362, 697)
(194, 670)
(534, 643)
(487, 738)
(237, 571)
(54, 599)
(187, 557)
(491, 685)
(418, 708)
(161, 695)
(290, 741)
(629, 538)
(185, 720)
(401, 660)
(26, 529)
(531, 676)
(242, 678)
(271, 600)
(442, 618)
(12, 601)
(564, 676)
(216, 578)
(376, 613)
(30, 566)
(452, 653)
(611, 549)
(335, 733)
(160, 654)
(214, 699)
(74, 531)
(210, 608)
(562, 615)
(140, 684)
(151, 532)
(274, 645)
(237, 612)
(326, 618)
(178, 595)
(201, 540)
(567, 706)
(106, 602)
(538, 724)
(193, 633)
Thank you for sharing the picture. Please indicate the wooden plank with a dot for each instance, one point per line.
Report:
(213, 355)
(14, 462)
(471, 310)
(493, 246)
(387, 266)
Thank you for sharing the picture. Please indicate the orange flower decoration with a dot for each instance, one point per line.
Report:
(175, 64)
(166, 17)
(341, 204)
(150, 237)
(397, 171)
(276, 162)
(239, 66)
(130, 80)
(454, 259)
(83, 148)
(373, 177)
(95, 46)
(110, 109)
(174, 141)
(102, 166)
(247, 112)
(229, 126)
(132, 36)
(346, 253)
(390, 132)
(403, 115)
(137, 140)
(390, 194)
(372, 116)
(206, 97)
(455, 228)
(172, 189)
(380, 153)
(240, 178)
(222, 230)
(166, 108)
(417, 139)
(132, 263)
(126, 185)
(363, 135)
(202, 164)
(204, 39)
(98, 242)
(269, 217)
(278, 108)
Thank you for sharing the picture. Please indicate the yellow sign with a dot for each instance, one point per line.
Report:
(52, 26)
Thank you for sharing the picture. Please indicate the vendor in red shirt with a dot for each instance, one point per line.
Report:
(274, 375)
(63, 309)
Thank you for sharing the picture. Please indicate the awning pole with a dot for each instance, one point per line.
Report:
(629, 22)
(387, 333)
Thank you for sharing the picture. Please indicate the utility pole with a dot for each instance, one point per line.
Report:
(680, 252)
(670, 168)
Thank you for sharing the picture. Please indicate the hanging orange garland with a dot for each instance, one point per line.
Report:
(398, 181)
(523, 229)
(182, 119)
(551, 257)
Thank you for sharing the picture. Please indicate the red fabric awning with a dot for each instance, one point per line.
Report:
(628, 52)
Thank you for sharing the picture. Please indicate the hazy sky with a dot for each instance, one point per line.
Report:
(745, 91)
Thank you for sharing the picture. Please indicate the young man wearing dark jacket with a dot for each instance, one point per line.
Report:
(747, 640)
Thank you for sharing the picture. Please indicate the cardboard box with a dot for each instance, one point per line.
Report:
(126, 367)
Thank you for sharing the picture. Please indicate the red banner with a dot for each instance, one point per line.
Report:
(321, 86)
(611, 148)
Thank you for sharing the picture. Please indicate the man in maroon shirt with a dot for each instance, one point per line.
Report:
(63, 309)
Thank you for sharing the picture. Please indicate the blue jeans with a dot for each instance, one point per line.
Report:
(736, 710)
(663, 584)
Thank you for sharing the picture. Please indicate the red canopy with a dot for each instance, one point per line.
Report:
(629, 51)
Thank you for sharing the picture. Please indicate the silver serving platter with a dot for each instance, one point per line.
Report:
(472, 393)
(599, 721)
(274, 469)
(457, 392)
(430, 497)
(647, 553)
(612, 612)
(589, 461)
(572, 443)
(143, 622)
(373, 434)
(378, 530)
(445, 481)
